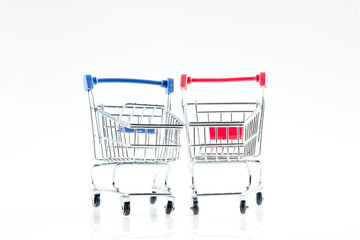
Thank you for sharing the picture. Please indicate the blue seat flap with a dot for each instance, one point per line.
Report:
(138, 130)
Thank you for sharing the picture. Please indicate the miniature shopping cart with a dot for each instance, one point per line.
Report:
(134, 134)
(224, 132)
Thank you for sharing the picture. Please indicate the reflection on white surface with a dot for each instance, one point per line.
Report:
(108, 224)
(116, 226)
(241, 227)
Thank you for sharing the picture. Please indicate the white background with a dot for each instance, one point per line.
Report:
(309, 49)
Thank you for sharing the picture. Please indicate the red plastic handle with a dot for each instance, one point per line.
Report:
(185, 80)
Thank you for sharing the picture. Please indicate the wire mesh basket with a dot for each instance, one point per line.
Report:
(137, 133)
(223, 131)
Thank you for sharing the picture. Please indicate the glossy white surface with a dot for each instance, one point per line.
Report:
(150, 222)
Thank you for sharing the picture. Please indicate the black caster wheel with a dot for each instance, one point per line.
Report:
(169, 207)
(259, 198)
(126, 208)
(195, 207)
(96, 200)
(153, 198)
(242, 206)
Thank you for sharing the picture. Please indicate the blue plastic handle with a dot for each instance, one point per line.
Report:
(90, 82)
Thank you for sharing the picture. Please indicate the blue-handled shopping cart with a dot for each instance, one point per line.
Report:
(134, 134)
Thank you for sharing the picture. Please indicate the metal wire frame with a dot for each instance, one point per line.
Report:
(247, 125)
(157, 190)
(134, 134)
(244, 148)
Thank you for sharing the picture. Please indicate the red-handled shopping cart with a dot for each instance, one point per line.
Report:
(223, 132)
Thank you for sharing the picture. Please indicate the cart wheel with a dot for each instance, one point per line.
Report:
(195, 207)
(169, 207)
(153, 198)
(96, 200)
(242, 206)
(259, 198)
(126, 208)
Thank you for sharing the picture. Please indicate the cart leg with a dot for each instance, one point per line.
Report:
(155, 176)
(113, 177)
(260, 173)
(156, 187)
(193, 187)
(249, 173)
(92, 176)
(166, 176)
(92, 173)
(258, 188)
(96, 190)
(194, 199)
(259, 195)
(124, 195)
(154, 198)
